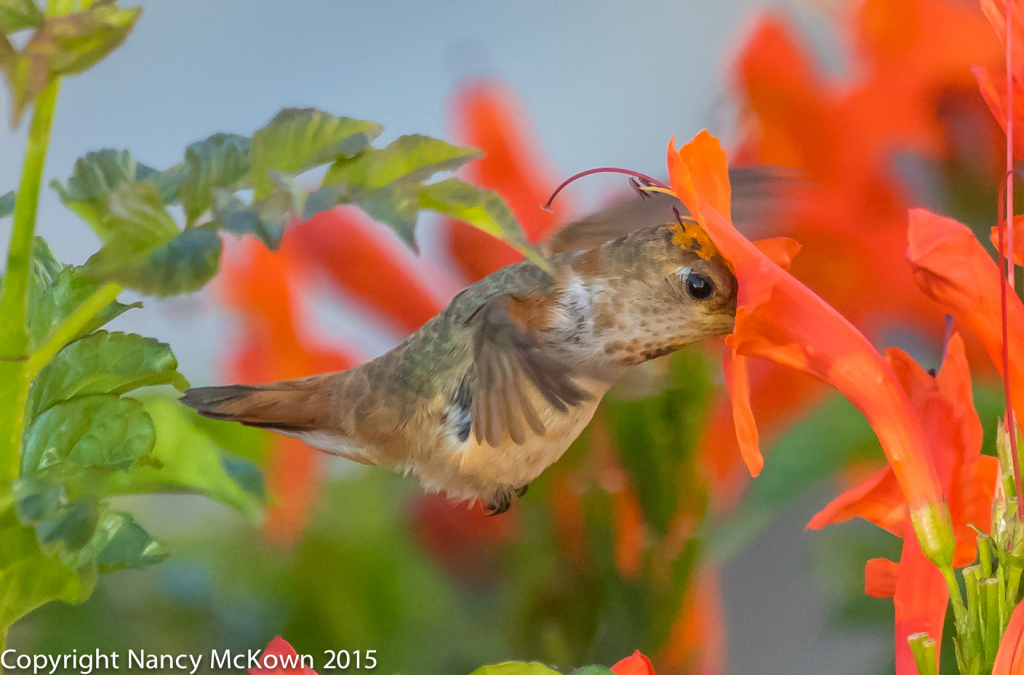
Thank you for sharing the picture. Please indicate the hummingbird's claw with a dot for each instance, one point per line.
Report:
(503, 499)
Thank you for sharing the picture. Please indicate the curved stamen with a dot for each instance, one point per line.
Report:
(603, 169)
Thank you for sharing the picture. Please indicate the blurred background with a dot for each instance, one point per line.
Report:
(647, 533)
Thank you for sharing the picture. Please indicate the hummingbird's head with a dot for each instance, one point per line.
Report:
(653, 291)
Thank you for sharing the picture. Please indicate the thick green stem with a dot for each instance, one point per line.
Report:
(71, 327)
(956, 599)
(14, 379)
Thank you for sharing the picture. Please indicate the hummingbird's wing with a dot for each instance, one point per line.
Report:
(508, 357)
(759, 195)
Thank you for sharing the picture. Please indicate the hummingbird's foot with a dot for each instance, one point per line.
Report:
(502, 501)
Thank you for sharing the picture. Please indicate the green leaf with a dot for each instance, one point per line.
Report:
(70, 527)
(29, 578)
(89, 431)
(412, 158)
(18, 15)
(190, 460)
(104, 363)
(143, 249)
(298, 139)
(64, 45)
(515, 668)
(45, 265)
(95, 175)
(220, 161)
(265, 218)
(7, 202)
(480, 208)
(52, 303)
(397, 206)
(593, 670)
(126, 544)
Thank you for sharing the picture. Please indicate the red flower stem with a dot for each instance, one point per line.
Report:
(603, 169)
(1011, 428)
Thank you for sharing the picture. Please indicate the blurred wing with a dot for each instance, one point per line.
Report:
(510, 361)
(759, 194)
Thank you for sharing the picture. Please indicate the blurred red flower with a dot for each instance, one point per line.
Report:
(634, 664)
(283, 660)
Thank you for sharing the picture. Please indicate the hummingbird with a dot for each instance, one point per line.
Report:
(491, 391)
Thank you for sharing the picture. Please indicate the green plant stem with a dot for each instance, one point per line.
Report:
(71, 327)
(14, 380)
(956, 599)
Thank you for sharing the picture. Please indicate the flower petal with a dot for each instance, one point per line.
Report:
(920, 599)
(738, 382)
(877, 500)
(952, 268)
(780, 250)
(1010, 656)
(880, 575)
(1018, 241)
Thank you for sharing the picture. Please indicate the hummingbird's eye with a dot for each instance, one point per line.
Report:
(699, 286)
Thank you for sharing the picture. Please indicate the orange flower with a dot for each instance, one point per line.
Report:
(945, 406)
(1010, 656)
(920, 599)
(634, 664)
(279, 658)
(952, 268)
(993, 85)
(487, 117)
(697, 641)
(908, 55)
(779, 318)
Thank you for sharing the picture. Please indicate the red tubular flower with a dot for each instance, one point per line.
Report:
(634, 664)
(992, 84)
(487, 117)
(945, 406)
(1010, 656)
(779, 318)
(952, 268)
(282, 659)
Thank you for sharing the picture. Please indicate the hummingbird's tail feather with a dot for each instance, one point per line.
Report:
(289, 406)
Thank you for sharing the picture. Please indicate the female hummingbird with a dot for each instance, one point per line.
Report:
(494, 389)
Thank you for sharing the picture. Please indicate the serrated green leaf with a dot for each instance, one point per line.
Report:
(95, 175)
(515, 668)
(45, 265)
(29, 578)
(480, 208)
(18, 15)
(70, 527)
(89, 431)
(126, 544)
(411, 158)
(190, 460)
(7, 202)
(65, 45)
(297, 139)
(396, 206)
(143, 248)
(265, 218)
(219, 162)
(104, 363)
(52, 303)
